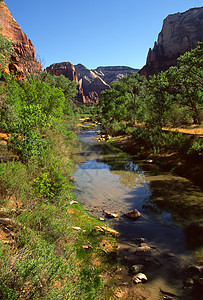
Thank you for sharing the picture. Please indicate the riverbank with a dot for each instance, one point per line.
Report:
(50, 247)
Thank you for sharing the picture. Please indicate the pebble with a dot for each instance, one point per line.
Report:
(140, 278)
(73, 202)
(111, 215)
(141, 240)
(76, 228)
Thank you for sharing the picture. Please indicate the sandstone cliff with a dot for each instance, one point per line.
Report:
(91, 83)
(68, 70)
(23, 60)
(113, 73)
(180, 33)
(63, 68)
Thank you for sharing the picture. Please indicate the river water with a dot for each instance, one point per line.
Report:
(108, 179)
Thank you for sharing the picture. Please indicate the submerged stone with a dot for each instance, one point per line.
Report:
(133, 214)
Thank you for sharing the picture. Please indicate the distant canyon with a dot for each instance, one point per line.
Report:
(180, 33)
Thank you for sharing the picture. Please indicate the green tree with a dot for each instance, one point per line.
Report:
(158, 99)
(68, 87)
(189, 80)
(33, 107)
(137, 107)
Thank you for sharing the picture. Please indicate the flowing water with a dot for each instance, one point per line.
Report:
(108, 179)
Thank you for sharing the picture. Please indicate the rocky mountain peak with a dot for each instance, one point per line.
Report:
(180, 33)
(64, 68)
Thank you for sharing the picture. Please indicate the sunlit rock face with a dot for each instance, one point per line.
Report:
(96, 80)
(23, 60)
(91, 83)
(180, 33)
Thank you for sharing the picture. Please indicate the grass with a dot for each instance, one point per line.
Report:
(42, 254)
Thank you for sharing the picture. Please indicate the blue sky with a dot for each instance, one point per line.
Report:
(95, 33)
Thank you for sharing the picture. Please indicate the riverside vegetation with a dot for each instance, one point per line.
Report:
(147, 109)
(49, 247)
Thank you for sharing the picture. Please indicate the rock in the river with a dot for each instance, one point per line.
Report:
(135, 269)
(133, 214)
(143, 249)
(141, 240)
(140, 278)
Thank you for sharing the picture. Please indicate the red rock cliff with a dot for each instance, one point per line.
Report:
(63, 68)
(23, 60)
(68, 70)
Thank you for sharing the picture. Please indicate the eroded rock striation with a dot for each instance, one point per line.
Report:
(23, 60)
(180, 33)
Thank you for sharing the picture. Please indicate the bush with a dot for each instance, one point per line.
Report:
(196, 147)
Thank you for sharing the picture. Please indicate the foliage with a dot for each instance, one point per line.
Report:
(43, 185)
(68, 87)
(187, 80)
(196, 147)
(121, 102)
(5, 51)
(49, 261)
(41, 258)
(158, 100)
(33, 106)
(143, 107)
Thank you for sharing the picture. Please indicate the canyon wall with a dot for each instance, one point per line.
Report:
(114, 73)
(23, 60)
(96, 80)
(90, 82)
(180, 33)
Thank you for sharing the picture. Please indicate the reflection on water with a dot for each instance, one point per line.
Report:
(172, 208)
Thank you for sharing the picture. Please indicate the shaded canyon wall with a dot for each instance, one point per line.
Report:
(180, 33)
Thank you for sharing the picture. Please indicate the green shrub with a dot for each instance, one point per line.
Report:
(196, 147)
(43, 185)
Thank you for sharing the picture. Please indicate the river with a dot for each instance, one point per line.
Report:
(108, 179)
